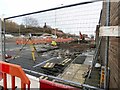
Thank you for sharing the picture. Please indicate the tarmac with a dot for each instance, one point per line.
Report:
(45, 54)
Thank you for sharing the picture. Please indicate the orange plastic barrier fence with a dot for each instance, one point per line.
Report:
(39, 41)
(14, 71)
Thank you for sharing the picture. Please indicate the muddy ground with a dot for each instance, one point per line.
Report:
(75, 46)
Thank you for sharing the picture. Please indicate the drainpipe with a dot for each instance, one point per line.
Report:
(107, 44)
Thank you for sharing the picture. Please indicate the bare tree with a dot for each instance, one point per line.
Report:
(11, 26)
(30, 22)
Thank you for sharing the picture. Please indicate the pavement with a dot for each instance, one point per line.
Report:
(76, 70)
(75, 73)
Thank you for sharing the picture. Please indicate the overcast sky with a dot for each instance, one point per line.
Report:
(15, 7)
(81, 23)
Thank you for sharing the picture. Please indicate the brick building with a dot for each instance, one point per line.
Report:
(114, 43)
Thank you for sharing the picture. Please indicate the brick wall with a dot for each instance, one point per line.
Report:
(114, 44)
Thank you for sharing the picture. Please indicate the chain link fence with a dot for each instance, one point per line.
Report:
(36, 39)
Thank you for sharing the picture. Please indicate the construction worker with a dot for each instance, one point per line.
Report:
(53, 43)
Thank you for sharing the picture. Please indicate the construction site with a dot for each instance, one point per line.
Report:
(70, 47)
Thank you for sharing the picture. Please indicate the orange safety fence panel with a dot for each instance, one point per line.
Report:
(14, 71)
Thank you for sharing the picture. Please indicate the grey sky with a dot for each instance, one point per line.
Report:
(82, 18)
(15, 7)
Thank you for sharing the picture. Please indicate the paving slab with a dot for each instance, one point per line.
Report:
(75, 73)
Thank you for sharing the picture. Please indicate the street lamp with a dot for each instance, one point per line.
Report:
(55, 23)
(19, 30)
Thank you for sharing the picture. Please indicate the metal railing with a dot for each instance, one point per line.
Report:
(63, 80)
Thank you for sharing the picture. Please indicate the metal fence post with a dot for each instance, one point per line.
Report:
(0, 40)
(1, 44)
(4, 46)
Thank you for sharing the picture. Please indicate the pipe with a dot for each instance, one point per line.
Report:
(107, 44)
(108, 78)
(44, 62)
(63, 80)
